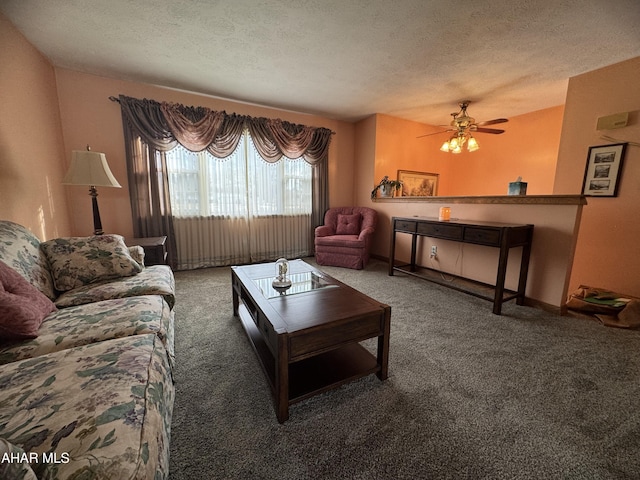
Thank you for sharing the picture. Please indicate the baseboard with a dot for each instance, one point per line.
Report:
(547, 307)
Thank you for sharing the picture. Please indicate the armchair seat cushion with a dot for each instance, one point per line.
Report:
(351, 241)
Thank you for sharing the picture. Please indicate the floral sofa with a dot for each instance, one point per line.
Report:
(86, 352)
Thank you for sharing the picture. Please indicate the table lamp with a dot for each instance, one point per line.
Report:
(91, 168)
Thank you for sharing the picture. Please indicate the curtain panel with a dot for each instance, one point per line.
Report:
(161, 126)
(148, 182)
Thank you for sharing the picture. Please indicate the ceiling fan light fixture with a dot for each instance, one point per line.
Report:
(462, 126)
(472, 144)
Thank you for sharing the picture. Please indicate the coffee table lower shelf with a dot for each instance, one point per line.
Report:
(312, 375)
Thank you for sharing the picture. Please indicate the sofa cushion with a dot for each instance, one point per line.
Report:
(96, 322)
(20, 249)
(78, 261)
(17, 467)
(348, 224)
(153, 280)
(22, 306)
(107, 405)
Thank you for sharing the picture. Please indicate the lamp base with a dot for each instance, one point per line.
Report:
(97, 224)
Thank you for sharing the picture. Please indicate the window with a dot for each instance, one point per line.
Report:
(240, 185)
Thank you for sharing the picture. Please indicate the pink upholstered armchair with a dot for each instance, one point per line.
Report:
(345, 238)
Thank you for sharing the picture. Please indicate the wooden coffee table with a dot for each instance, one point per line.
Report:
(307, 338)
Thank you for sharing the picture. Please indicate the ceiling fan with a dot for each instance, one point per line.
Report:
(462, 126)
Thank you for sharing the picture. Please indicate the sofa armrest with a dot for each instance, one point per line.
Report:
(137, 253)
(324, 231)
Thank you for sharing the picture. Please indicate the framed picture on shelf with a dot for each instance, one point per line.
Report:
(418, 184)
(602, 173)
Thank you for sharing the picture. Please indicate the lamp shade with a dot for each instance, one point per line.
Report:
(89, 168)
(472, 144)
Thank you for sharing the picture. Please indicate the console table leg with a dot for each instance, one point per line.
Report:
(524, 271)
(392, 251)
(414, 241)
(502, 275)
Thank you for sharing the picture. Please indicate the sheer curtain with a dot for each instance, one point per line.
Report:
(208, 198)
(279, 218)
(239, 209)
(235, 233)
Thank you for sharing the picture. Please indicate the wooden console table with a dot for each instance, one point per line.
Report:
(499, 235)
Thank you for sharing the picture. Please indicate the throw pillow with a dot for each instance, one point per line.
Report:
(78, 261)
(348, 224)
(22, 306)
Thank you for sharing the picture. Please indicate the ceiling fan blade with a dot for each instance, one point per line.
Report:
(494, 121)
(435, 133)
(495, 131)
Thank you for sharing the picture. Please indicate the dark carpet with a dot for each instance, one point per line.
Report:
(473, 395)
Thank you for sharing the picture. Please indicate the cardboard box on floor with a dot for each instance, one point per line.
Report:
(611, 308)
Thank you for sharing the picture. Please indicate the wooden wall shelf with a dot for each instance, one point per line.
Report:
(494, 199)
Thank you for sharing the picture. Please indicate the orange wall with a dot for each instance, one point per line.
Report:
(608, 251)
(528, 148)
(365, 153)
(89, 117)
(398, 147)
(31, 147)
(377, 142)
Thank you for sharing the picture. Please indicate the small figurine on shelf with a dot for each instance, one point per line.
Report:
(281, 283)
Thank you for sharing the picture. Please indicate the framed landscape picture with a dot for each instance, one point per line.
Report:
(418, 184)
(602, 174)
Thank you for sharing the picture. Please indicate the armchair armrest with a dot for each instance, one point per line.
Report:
(365, 233)
(324, 231)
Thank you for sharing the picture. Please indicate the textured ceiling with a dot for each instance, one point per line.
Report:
(343, 59)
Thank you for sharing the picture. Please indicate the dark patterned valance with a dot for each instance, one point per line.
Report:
(164, 125)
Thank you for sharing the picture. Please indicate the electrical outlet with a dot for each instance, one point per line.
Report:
(434, 251)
